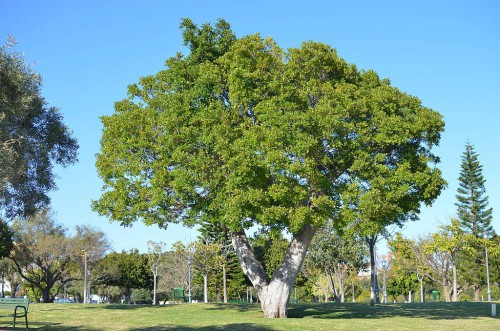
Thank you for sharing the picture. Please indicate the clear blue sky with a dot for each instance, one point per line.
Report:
(445, 52)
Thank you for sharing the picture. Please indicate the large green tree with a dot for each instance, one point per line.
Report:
(33, 138)
(253, 135)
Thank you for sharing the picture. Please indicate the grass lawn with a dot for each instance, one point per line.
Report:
(359, 316)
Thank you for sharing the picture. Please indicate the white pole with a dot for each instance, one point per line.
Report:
(85, 277)
(488, 275)
(493, 309)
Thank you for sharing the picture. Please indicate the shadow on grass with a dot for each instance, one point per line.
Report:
(133, 307)
(234, 326)
(432, 311)
(38, 326)
(233, 306)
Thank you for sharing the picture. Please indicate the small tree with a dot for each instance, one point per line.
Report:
(410, 257)
(450, 240)
(156, 256)
(206, 259)
(338, 256)
(89, 246)
(472, 207)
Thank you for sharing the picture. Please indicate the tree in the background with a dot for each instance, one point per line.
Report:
(43, 253)
(175, 270)
(216, 232)
(269, 247)
(252, 135)
(33, 138)
(451, 240)
(472, 207)
(410, 257)
(156, 257)
(9, 274)
(127, 270)
(89, 245)
(207, 258)
(474, 215)
(338, 256)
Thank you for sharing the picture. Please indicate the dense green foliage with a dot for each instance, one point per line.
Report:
(5, 239)
(126, 270)
(246, 132)
(33, 138)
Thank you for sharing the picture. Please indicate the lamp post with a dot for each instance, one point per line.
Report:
(189, 275)
(85, 299)
(487, 269)
(384, 268)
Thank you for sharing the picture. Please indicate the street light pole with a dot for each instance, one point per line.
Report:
(85, 299)
(384, 268)
(487, 271)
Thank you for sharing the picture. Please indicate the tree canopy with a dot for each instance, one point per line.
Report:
(33, 138)
(242, 129)
(254, 135)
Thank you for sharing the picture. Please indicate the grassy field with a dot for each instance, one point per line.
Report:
(201, 317)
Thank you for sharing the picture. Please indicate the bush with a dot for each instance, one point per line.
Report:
(141, 296)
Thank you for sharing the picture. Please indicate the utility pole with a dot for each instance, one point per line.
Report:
(189, 275)
(487, 270)
(85, 298)
(384, 269)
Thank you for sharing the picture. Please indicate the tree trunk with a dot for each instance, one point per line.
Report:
(273, 293)
(447, 293)
(205, 288)
(46, 295)
(332, 286)
(454, 269)
(224, 282)
(477, 293)
(422, 292)
(341, 286)
(374, 298)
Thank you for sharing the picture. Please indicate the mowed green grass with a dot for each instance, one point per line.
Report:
(415, 316)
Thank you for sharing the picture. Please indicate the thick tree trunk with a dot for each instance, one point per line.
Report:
(374, 297)
(46, 295)
(274, 293)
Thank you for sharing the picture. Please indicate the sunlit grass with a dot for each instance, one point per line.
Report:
(428, 316)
